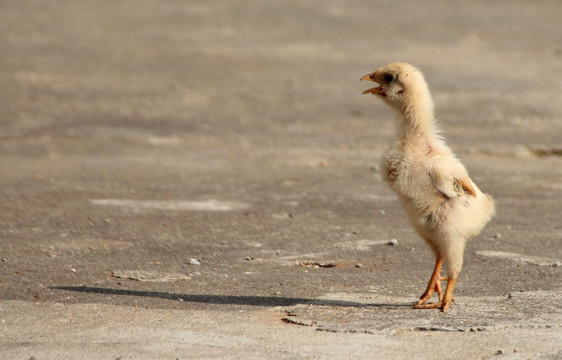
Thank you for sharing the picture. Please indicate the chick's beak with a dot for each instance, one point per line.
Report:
(376, 90)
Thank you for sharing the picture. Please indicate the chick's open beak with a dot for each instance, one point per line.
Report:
(376, 90)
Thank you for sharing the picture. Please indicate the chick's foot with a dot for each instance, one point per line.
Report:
(444, 303)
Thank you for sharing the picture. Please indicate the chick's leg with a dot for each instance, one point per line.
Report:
(434, 283)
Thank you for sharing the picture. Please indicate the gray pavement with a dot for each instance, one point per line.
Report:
(199, 180)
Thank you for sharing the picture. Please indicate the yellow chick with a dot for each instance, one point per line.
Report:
(444, 205)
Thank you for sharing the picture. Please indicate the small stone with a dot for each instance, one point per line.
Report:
(282, 216)
(194, 262)
(499, 352)
(497, 236)
(359, 265)
(383, 212)
(392, 242)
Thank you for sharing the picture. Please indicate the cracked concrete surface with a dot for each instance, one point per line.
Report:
(389, 315)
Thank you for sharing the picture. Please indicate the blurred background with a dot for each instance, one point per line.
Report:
(276, 71)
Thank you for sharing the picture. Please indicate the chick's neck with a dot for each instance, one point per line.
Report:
(417, 122)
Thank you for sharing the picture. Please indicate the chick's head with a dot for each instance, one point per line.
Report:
(400, 84)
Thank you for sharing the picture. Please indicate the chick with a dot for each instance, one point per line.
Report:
(444, 205)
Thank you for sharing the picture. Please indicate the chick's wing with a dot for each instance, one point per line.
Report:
(449, 177)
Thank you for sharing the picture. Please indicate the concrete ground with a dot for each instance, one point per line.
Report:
(199, 180)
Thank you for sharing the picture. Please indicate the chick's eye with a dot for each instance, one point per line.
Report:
(388, 78)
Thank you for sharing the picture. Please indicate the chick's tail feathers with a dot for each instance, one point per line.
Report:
(476, 212)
